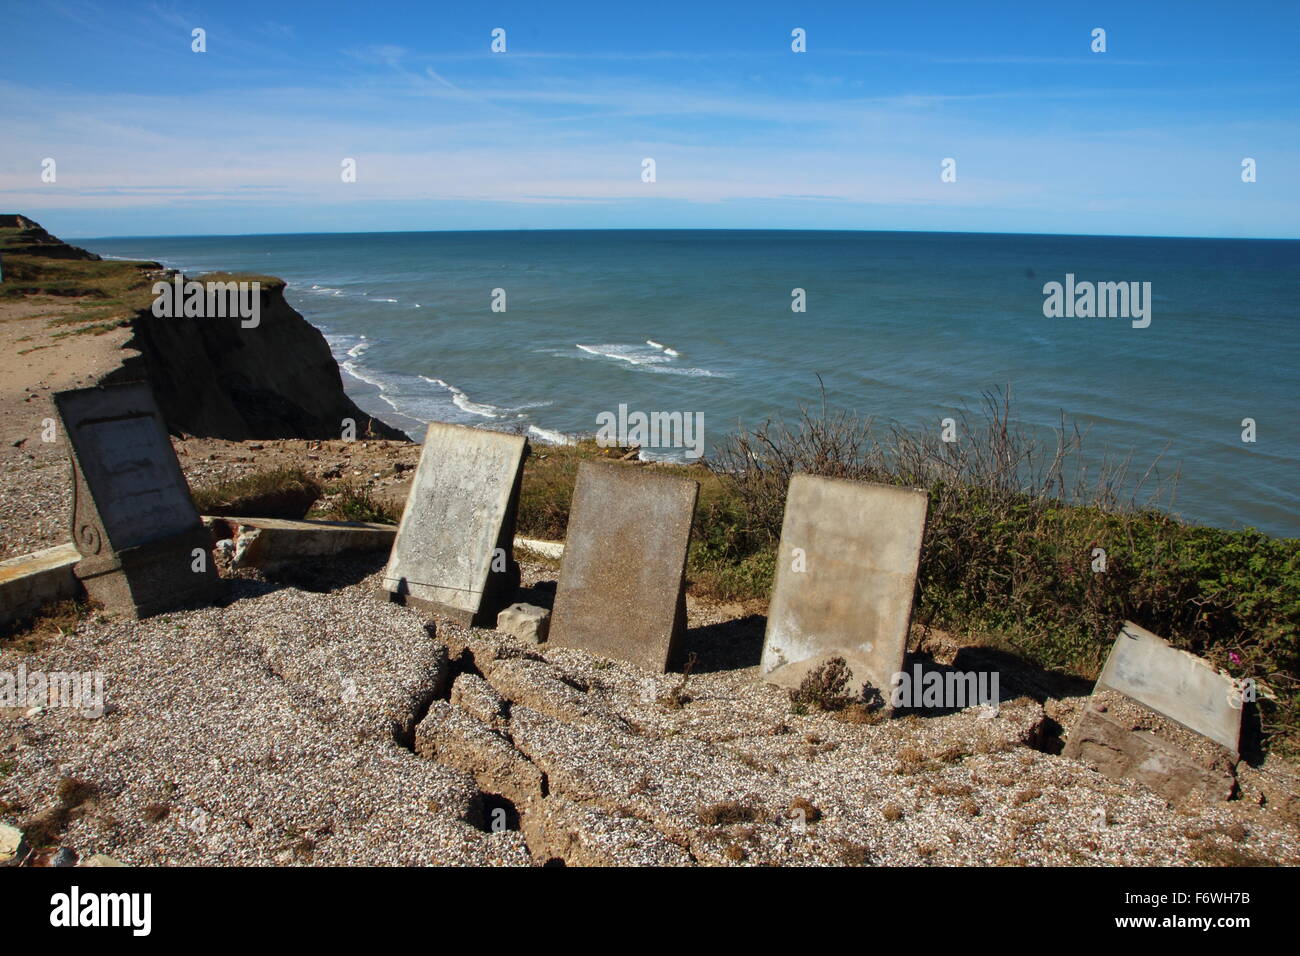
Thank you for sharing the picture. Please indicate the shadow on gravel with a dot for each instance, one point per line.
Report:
(541, 594)
(328, 574)
(1016, 678)
(729, 645)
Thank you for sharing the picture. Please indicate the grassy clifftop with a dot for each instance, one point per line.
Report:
(107, 293)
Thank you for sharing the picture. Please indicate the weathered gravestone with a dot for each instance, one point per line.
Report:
(143, 547)
(454, 550)
(1161, 716)
(845, 573)
(621, 580)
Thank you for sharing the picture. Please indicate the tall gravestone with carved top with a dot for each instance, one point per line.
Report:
(143, 548)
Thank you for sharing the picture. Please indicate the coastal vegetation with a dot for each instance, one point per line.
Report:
(107, 293)
(1025, 547)
(349, 501)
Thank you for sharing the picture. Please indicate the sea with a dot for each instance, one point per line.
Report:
(550, 332)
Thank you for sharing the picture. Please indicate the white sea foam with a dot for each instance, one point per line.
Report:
(368, 376)
(463, 401)
(549, 436)
(641, 358)
(632, 354)
(663, 348)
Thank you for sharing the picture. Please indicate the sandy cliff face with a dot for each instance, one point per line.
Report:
(216, 379)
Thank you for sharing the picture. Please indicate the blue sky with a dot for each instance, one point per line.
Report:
(1147, 138)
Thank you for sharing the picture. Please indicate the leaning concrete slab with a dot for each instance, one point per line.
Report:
(1163, 717)
(621, 580)
(144, 549)
(32, 580)
(272, 543)
(453, 554)
(845, 574)
(1175, 683)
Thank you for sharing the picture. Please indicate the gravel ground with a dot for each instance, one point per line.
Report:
(280, 729)
(257, 733)
(326, 726)
(35, 500)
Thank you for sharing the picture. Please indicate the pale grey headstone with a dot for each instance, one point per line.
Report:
(1172, 682)
(859, 545)
(121, 446)
(622, 577)
(133, 521)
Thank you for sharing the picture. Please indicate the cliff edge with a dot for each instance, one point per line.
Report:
(213, 378)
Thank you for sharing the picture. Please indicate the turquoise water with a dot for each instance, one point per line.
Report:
(902, 326)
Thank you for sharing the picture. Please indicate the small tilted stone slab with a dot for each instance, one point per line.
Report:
(1163, 717)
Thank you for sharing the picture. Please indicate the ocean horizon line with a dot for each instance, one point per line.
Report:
(692, 230)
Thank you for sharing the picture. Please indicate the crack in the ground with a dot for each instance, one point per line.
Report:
(514, 793)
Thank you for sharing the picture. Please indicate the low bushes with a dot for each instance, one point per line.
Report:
(1022, 543)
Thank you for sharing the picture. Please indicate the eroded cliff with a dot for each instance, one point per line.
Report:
(213, 377)
(216, 379)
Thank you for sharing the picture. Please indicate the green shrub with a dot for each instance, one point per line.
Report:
(1009, 547)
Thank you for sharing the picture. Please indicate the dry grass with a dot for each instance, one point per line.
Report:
(910, 761)
(728, 812)
(277, 493)
(858, 712)
(853, 854)
(51, 623)
(824, 687)
(810, 813)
